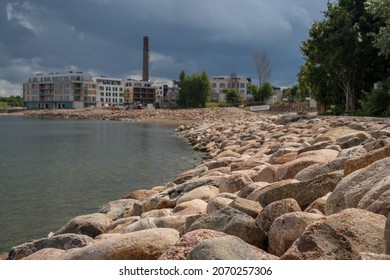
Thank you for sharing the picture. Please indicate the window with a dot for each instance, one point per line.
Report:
(222, 85)
(242, 85)
(214, 85)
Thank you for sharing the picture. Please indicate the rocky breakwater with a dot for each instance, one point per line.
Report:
(274, 187)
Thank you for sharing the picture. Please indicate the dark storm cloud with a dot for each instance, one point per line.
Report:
(105, 37)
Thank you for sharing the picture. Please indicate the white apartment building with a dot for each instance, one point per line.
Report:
(110, 92)
(221, 83)
(58, 90)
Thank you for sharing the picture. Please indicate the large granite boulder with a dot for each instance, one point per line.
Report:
(218, 203)
(290, 169)
(357, 163)
(249, 207)
(147, 244)
(45, 254)
(303, 192)
(343, 235)
(275, 210)
(188, 242)
(366, 188)
(91, 225)
(62, 242)
(227, 248)
(205, 193)
(233, 222)
(286, 229)
(115, 209)
(234, 183)
(341, 135)
(387, 235)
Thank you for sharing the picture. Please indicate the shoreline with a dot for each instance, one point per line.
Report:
(253, 179)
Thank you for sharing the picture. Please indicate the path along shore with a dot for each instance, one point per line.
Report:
(273, 187)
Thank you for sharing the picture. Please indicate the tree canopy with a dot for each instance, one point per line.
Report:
(341, 60)
(194, 90)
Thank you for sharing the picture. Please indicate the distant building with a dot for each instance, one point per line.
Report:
(277, 95)
(221, 83)
(59, 90)
(110, 92)
(141, 92)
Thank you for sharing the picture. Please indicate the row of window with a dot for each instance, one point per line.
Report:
(226, 85)
(109, 88)
(111, 100)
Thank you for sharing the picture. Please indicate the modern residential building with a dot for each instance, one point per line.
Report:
(110, 92)
(162, 89)
(139, 92)
(58, 90)
(221, 83)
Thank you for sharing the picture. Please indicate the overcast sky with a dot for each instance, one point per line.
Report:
(104, 37)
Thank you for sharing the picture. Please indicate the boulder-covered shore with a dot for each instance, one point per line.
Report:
(272, 187)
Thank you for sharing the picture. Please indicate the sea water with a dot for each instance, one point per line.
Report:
(53, 170)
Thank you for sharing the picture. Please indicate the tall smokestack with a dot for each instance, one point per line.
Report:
(145, 66)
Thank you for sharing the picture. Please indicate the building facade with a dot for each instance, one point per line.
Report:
(110, 92)
(75, 90)
(221, 83)
(58, 90)
(139, 92)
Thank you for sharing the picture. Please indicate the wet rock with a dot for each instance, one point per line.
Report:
(147, 244)
(274, 210)
(62, 242)
(352, 188)
(286, 229)
(91, 225)
(227, 248)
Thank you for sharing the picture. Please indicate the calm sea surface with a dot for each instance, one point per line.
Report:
(53, 170)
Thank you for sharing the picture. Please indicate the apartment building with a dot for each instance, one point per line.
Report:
(140, 92)
(221, 83)
(110, 92)
(58, 90)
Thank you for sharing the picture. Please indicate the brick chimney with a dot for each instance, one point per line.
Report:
(145, 66)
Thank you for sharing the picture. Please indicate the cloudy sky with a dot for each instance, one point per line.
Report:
(105, 37)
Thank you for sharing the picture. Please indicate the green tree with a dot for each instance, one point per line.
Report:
(232, 96)
(194, 90)
(253, 89)
(381, 9)
(341, 60)
(377, 102)
(265, 92)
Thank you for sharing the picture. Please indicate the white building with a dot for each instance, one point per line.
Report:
(59, 90)
(221, 83)
(110, 92)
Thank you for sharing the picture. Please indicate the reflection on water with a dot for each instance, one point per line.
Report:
(52, 170)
